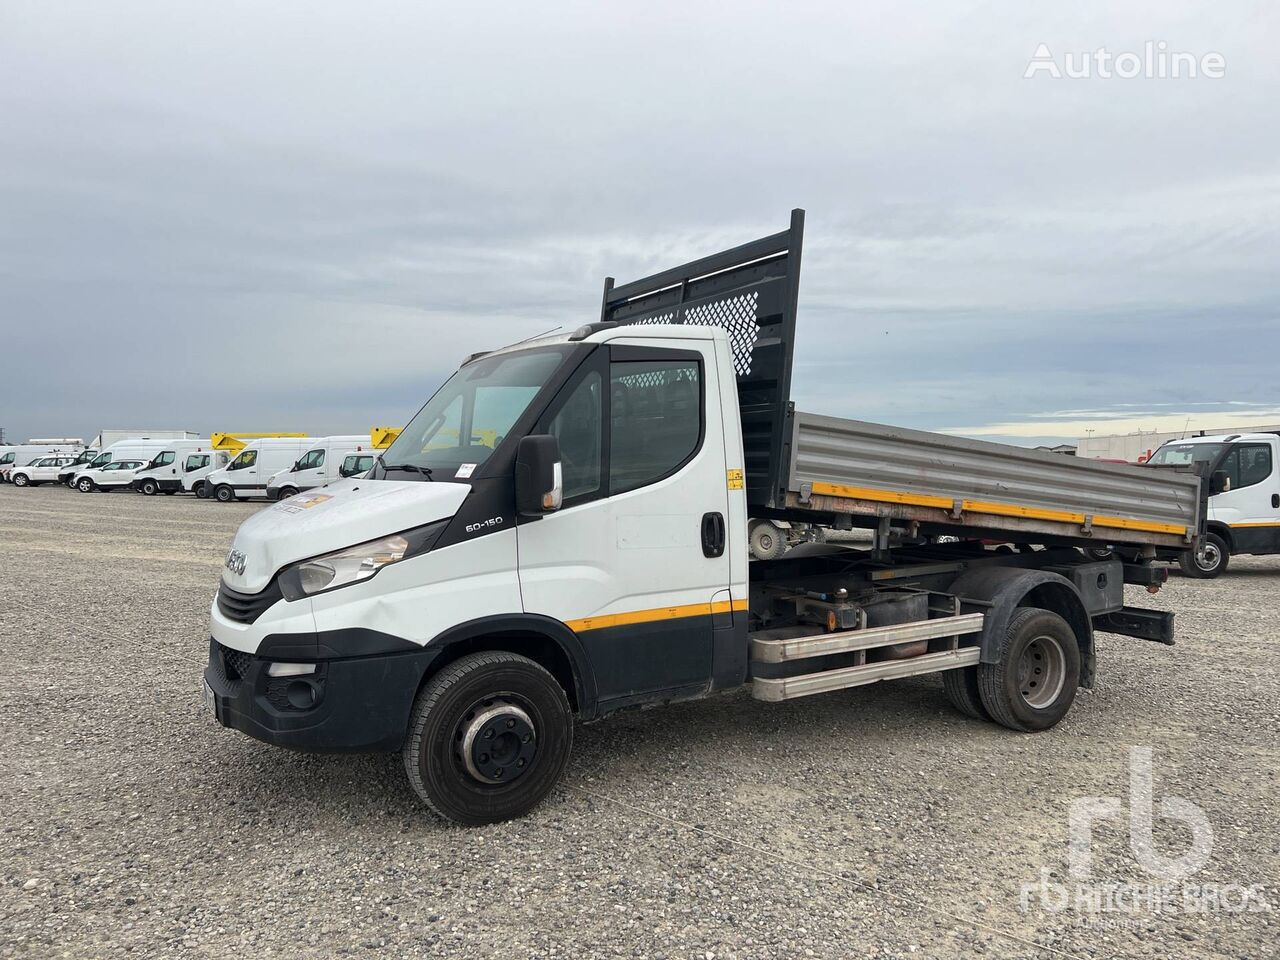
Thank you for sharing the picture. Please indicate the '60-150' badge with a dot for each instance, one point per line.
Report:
(235, 562)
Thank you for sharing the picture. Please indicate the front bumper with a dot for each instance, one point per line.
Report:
(359, 704)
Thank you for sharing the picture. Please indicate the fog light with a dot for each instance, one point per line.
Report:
(290, 669)
(302, 694)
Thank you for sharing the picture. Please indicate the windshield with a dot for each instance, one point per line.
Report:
(1181, 454)
(461, 426)
(7, 458)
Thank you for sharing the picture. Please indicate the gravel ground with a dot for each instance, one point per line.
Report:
(873, 822)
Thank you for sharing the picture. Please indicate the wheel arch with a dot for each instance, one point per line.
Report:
(1224, 531)
(544, 640)
(1001, 591)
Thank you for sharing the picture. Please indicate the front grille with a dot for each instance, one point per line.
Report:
(247, 607)
(235, 664)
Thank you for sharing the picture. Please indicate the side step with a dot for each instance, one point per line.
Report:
(783, 651)
(788, 688)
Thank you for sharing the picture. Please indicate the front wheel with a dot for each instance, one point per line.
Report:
(84, 485)
(286, 492)
(224, 494)
(488, 738)
(1033, 684)
(150, 488)
(1207, 561)
(200, 491)
(20, 480)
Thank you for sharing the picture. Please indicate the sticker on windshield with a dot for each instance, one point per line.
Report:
(298, 504)
(464, 471)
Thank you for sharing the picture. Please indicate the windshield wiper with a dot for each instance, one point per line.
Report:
(425, 471)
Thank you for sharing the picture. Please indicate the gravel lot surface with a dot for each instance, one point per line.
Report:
(873, 822)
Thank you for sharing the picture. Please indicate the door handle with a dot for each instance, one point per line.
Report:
(1275, 500)
(713, 535)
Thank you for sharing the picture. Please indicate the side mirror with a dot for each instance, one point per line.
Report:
(539, 476)
(1220, 482)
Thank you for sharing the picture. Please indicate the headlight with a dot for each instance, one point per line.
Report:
(354, 564)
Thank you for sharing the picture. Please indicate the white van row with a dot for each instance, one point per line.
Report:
(274, 467)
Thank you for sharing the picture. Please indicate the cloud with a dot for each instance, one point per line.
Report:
(287, 216)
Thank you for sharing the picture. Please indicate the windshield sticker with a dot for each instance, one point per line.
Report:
(298, 504)
(465, 470)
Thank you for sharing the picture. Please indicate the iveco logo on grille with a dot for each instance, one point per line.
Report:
(235, 562)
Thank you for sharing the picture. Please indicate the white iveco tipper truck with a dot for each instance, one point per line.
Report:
(561, 532)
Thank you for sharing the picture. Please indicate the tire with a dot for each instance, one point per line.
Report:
(286, 492)
(1098, 553)
(767, 541)
(1033, 684)
(452, 707)
(84, 485)
(20, 480)
(149, 488)
(224, 494)
(199, 490)
(961, 687)
(1209, 561)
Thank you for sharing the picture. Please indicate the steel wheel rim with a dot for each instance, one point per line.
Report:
(496, 741)
(1042, 671)
(1208, 557)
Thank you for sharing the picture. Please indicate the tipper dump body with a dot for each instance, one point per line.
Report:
(809, 467)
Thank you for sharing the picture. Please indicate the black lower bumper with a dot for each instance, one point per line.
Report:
(347, 705)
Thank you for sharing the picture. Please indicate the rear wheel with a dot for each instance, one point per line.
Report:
(1209, 560)
(489, 737)
(84, 485)
(961, 687)
(1033, 684)
(224, 494)
(150, 488)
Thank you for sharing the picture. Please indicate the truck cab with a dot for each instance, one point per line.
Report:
(1244, 503)
(197, 466)
(165, 471)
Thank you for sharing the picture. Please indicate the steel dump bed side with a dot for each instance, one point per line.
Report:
(803, 466)
(991, 489)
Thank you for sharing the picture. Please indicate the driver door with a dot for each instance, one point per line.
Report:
(623, 562)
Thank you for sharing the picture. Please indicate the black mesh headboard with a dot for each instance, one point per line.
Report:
(751, 292)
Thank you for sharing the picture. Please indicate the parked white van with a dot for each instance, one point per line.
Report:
(321, 464)
(248, 473)
(197, 467)
(142, 450)
(67, 472)
(21, 454)
(164, 472)
(1244, 502)
(110, 476)
(38, 471)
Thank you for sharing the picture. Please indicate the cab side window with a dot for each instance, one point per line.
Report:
(656, 420)
(314, 458)
(578, 427)
(1248, 464)
(164, 459)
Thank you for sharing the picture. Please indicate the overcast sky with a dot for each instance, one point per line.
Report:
(301, 216)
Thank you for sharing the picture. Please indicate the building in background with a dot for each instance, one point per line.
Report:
(1137, 447)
